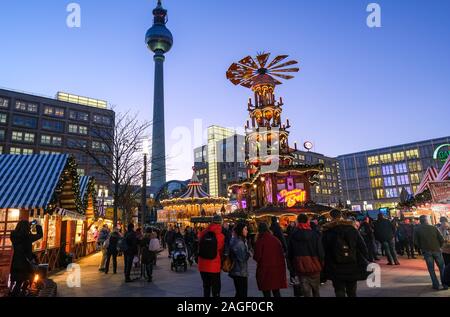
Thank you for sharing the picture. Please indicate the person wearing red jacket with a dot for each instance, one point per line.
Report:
(210, 268)
(271, 268)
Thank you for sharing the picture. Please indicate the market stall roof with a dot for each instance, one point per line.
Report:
(430, 175)
(29, 181)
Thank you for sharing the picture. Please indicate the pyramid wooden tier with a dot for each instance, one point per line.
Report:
(195, 202)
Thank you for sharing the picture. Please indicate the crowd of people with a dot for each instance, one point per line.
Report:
(309, 251)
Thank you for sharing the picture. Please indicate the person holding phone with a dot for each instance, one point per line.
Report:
(22, 240)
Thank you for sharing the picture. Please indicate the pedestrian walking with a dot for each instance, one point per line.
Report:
(102, 237)
(211, 245)
(131, 251)
(385, 233)
(170, 239)
(345, 255)
(430, 241)
(444, 229)
(306, 255)
(112, 250)
(271, 264)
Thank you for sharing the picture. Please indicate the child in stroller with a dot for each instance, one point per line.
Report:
(179, 256)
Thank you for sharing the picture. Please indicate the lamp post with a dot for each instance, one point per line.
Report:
(145, 151)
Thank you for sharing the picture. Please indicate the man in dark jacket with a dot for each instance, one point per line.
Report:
(385, 233)
(170, 239)
(406, 237)
(429, 239)
(345, 255)
(305, 252)
(366, 232)
(131, 251)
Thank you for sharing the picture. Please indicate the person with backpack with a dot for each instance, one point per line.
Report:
(271, 263)
(131, 250)
(112, 250)
(306, 254)
(211, 245)
(430, 241)
(345, 255)
(385, 233)
(239, 255)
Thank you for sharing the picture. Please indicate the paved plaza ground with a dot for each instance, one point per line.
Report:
(411, 279)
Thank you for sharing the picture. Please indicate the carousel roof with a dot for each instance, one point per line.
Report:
(195, 193)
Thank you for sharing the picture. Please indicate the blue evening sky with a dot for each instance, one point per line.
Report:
(358, 89)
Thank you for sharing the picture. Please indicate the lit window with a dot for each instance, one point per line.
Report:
(73, 128)
(373, 160)
(23, 106)
(46, 139)
(57, 141)
(15, 151)
(3, 117)
(412, 154)
(1, 149)
(4, 103)
(389, 181)
(380, 193)
(376, 182)
(402, 180)
(27, 152)
(415, 178)
(374, 171)
(80, 171)
(49, 110)
(29, 137)
(415, 166)
(385, 158)
(391, 193)
(82, 129)
(388, 169)
(399, 156)
(400, 168)
(17, 136)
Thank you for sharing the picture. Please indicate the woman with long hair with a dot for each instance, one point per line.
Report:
(239, 254)
(22, 262)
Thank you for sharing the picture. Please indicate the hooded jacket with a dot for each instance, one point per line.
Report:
(306, 251)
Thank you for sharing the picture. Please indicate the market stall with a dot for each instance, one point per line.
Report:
(43, 188)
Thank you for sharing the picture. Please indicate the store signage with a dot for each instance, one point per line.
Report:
(292, 197)
(441, 153)
(440, 191)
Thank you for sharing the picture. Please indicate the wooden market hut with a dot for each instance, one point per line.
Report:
(43, 187)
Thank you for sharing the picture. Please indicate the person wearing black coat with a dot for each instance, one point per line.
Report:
(131, 251)
(170, 239)
(112, 251)
(368, 235)
(278, 233)
(189, 239)
(406, 238)
(21, 267)
(385, 233)
(345, 255)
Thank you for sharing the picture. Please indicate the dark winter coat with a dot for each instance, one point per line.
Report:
(239, 254)
(113, 242)
(170, 237)
(189, 238)
(147, 256)
(271, 265)
(406, 232)
(384, 230)
(278, 233)
(366, 232)
(428, 238)
(132, 243)
(344, 271)
(306, 252)
(21, 269)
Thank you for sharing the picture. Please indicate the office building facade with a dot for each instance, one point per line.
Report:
(31, 124)
(375, 179)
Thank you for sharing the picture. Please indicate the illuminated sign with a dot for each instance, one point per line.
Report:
(292, 197)
(441, 154)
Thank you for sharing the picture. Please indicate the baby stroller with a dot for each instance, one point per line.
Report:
(179, 256)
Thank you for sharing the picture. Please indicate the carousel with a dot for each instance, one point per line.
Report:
(192, 206)
(275, 185)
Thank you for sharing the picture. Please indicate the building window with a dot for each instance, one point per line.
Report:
(2, 135)
(412, 154)
(379, 193)
(374, 171)
(402, 180)
(29, 107)
(373, 160)
(385, 158)
(56, 126)
(399, 156)
(388, 169)
(1, 149)
(15, 150)
(79, 116)
(4, 103)
(102, 119)
(46, 139)
(49, 152)
(55, 112)
(400, 168)
(25, 122)
(415, 166)
(3, 117)
(415, 179)
(79, 129)
(376, 182)
(17, 136)
(80, 171)
(77, 144)
(391, 193)
(27, 151)
(51, 140)
(389, 181)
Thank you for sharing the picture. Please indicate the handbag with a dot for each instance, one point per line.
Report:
(227, 264)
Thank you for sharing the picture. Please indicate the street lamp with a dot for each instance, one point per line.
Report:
(145, 151)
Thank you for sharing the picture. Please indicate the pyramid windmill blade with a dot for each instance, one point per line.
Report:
(283, 76)
(284, 64)
(286, 70)
(249, 62)
(262, 59)
(277, 60)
